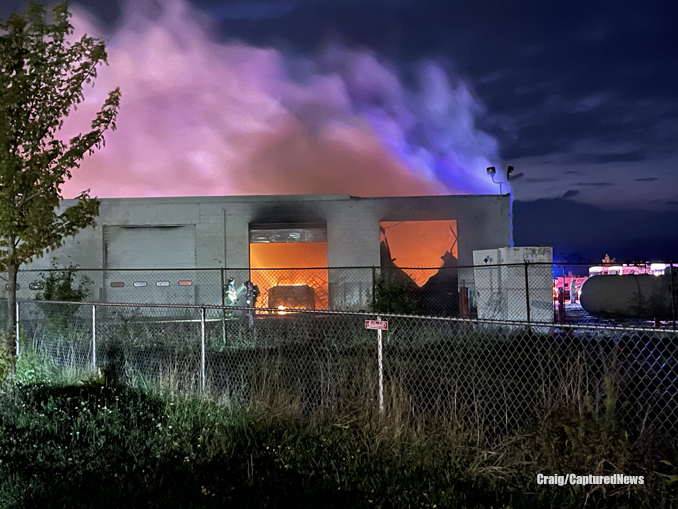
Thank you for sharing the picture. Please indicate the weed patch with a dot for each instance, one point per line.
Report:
(93, 445)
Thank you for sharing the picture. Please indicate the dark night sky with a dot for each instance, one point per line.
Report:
(581, 97)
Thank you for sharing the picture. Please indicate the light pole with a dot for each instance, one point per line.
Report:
(491, 171)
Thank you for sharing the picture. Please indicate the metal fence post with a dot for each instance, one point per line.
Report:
(381, 370)
(374, 286)
(16, 329)
(223, 305)
(202, 348)
(527, 293)
(673, 297)
(94, 337)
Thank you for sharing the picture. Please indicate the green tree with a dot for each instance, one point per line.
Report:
(42, 76)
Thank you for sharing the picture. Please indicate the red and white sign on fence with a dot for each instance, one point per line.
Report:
(379, 325)
(376, 324)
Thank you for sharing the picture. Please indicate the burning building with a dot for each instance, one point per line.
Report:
(315, 251)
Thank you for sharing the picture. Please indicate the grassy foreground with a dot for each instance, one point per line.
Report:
(89, 445)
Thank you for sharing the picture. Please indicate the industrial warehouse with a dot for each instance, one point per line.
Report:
(325, 245)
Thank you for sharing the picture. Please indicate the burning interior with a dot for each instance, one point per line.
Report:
(407, 246)
(289, 265)
(414, 244)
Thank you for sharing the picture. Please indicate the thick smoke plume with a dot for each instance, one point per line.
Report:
(200, 117)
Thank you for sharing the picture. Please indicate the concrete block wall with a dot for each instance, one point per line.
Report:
(222, 228)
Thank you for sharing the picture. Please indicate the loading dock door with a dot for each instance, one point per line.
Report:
(150, 247)
(288, 262)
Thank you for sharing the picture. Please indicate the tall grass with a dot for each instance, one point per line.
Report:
(91, 445)
(487, 383)
(469, 420)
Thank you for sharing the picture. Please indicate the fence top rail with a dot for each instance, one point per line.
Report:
(366, 314)
(357, 267)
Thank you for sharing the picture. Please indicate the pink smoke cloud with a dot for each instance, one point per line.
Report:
(199, 117)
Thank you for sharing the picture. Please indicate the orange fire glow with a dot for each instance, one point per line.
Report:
(420, 244)
(287, 257)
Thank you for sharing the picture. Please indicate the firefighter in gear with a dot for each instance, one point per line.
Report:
(231, 294)
(251, 293)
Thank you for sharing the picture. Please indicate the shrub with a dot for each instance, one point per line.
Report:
(33, 369)
(393, 295)
(58, 285)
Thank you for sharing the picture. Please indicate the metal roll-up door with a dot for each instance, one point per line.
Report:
(150, 247)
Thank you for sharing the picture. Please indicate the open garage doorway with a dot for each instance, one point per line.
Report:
(288, 262)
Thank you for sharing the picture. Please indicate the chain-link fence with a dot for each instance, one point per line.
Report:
(532, 292)
(434, 291)
(491, 376)
(645, 296)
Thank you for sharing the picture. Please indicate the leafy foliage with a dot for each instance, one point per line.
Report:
(34, 369)
(393, 295)
(41, 79)
(42, 75)
(59, 285)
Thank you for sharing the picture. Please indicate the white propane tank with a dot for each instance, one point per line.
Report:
(642, 296)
